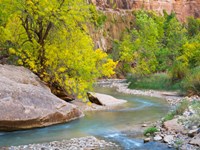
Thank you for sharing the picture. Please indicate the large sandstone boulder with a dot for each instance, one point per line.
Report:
(25, 102)
(103, 99)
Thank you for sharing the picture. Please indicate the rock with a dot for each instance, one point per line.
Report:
(157, 138)
(105, 100)
(168, 138)
(147, 140)
(192, 133)
(173, 125)
(148, 134)
(194, 127)
(83, 143)
(144, 125)
(195, 140)
(25, 102)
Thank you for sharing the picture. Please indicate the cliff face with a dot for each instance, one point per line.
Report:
(119, 16)
(114, 26)
(183, 8)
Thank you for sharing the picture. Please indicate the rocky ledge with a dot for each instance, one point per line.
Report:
(84, 143)
(25, 102)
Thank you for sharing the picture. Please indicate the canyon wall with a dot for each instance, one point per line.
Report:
(119, 16)
(115, 24)
(183, 8)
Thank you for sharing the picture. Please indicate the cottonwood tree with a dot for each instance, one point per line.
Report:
(51, 38)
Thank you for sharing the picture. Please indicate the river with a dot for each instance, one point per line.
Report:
(108, 124)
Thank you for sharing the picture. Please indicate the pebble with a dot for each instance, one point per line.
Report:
(83, 143)
(157, 138)
(147, 140)
(144, 125)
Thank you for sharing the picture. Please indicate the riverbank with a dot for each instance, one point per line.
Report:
(173, 98)
(84, 143)
(121, 86)
(177, 131)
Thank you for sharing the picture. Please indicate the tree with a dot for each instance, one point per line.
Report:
(139, 46)
(51, 38)
(175, 36)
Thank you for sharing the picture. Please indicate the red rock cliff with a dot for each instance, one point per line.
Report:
(183, 8)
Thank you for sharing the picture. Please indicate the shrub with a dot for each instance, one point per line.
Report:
(169, 116)
(182, 107)
(178, 110)
(178, 71)
(150, 130)
(159, 81)
(191, 84)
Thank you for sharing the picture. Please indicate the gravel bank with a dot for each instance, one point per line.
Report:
(84, 143)
(121, 86)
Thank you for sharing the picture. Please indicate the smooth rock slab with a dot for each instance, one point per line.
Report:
(25, 102)
(103, 99)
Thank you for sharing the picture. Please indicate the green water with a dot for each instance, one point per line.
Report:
(107, 124)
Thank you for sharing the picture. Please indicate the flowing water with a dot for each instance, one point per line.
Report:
(108, 124)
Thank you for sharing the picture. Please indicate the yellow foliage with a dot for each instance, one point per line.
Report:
(50, 38)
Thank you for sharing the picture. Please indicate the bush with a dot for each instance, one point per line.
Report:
(194, 119)
(191, 84)
(150, 130)
(178, 71)
(182, 107)
(159, 81)
(178, 111)
(169, 116)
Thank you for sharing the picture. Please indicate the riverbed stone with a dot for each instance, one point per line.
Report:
(173, 125)
(83, 143)
(157, 138)
(192, 133)
(147, 140)
(144, 125)
(26, 102)
(195, 140)
(103, 99)
(168, 139)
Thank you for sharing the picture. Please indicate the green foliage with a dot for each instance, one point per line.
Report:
(178, 71)
(169, 116)
(141, 44)
(179, 110)
(182, 107)
(160, 44)
(51, 38)
(99, 18)
(150, 130)
(191, 83)
(193, 26)
(159, 81)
